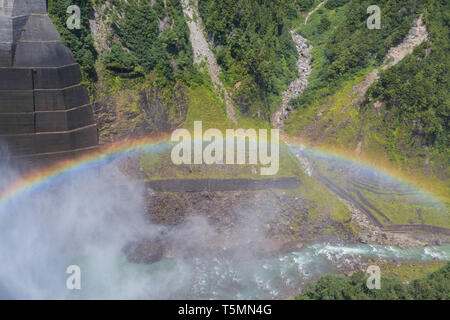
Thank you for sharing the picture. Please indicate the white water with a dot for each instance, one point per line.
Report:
(275, 278)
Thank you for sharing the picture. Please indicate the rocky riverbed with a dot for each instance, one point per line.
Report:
(297, 86)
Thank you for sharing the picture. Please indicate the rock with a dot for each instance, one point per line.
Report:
(145, 251)
(150, 192)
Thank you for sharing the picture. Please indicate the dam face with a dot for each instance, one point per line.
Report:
(45, 112)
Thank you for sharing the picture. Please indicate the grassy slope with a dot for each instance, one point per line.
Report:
(331, 120)
(432, 284)
(343, 126)
(408, 271)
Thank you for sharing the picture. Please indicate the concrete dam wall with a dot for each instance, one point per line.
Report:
(45, 112)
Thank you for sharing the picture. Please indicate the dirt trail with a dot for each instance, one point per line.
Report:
(313, 10)
(202, 52)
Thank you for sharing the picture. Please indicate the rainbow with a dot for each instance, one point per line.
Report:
(377, 165)
(35, 179)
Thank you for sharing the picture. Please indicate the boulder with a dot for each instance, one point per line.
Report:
(144, 251)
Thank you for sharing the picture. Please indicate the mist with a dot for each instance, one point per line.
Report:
(86, 218)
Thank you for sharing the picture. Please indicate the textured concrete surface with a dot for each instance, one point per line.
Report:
(45, 112)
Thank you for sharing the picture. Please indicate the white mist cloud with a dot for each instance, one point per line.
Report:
(83, 218)
(86, 218)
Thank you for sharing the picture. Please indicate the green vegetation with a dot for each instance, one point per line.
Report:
(205, 104)
(254, 49)
(147, 80)
(435, 286)
(145, 39)
(151, 38)
(404, 116)
(403, 208)
(343, 46)
(147, 83)
(408, 271)
(390, 202)
(417, 91)
(80, 41)
(159, 166)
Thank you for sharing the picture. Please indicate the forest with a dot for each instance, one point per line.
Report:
(435, 286)
(415, 92)
(141, 46)
(80, 41)
(254, 48)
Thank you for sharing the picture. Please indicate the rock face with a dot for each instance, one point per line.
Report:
(202, 52)
(45, 112)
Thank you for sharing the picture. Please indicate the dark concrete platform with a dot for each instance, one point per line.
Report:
(232, 184)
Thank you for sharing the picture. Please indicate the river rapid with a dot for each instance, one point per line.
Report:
(279, 277)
